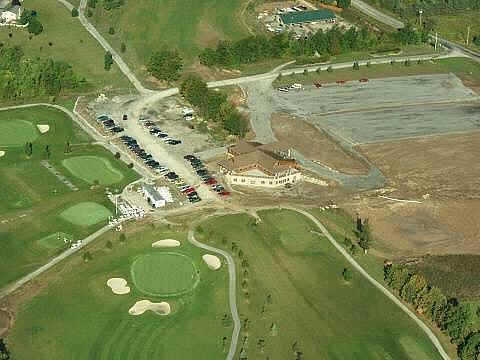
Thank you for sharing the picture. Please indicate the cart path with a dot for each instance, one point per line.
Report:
(232, 290)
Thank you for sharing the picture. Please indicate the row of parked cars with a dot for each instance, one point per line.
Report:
(109, 124)
(187, 190)
(205, 175)
(290, 87)
(155, 131)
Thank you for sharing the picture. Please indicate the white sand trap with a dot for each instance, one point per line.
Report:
(43, 128)
(141, 306)
(166, 243)
(212, 261)
(2, 153)
(118, 286)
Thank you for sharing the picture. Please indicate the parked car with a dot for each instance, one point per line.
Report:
(224, 193)
(117, 129)
(125, 117)
(190, 158)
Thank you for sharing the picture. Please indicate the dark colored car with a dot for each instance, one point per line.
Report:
(117, 129)
(125, 117)
(190, 158)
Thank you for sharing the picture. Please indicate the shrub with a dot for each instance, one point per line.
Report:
(74, 12)
(111, 30)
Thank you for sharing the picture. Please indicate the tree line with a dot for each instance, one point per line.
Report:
(213, 105)
(453, 317)
(337, 40)
(22, 76)
(406, 8)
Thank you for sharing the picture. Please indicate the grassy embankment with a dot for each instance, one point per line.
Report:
(147, 25)
(32, 198)
(76, 316)
(468, 70)
(310, 304)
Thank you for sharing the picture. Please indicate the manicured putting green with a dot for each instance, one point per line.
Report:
(55, 240)
(164, 274)
(86, 214)
(17, 132)
(93, 168)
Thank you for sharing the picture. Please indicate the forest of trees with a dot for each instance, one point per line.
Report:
(334, 41)
(453, 317)
(213, 105)
(24, 77)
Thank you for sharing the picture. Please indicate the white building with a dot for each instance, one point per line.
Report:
(154, 198)
(251, 165)
(10, 11)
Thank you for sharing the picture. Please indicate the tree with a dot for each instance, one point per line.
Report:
(74, 12)
(123, 238)
(476, 40)
(4, 353)
(47, 151)
(117, 155)
(407, 62)
(356, 66)
(111, 30)
(87, 256)
(344, 4)
(457, 320)
(412, 288)
(35, 27)
(470, 348)
(109, 245)
(92, 3)
(165, 65)
(123, 47)
(347, 274)
(130, 165)
(330, 68)
(108, 61)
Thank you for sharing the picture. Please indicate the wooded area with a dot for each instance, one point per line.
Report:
(334, 41)
(23, 77)
(453, 317)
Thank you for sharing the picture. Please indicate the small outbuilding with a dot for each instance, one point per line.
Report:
(154, 198)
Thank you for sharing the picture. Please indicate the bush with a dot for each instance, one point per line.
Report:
(111, 30)
(117, 155)
(89, 13)
(109, 245)
(347, 274)
(74, 12)
(92, 3)
(108, 61)
(130, 166)
(123, 47)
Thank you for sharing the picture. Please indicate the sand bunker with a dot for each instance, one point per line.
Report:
(43, 128)
(166, 243)
(118, 286)
(2, 153)
(212, 261)
(141, 306)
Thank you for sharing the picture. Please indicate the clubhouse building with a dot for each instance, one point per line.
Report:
(251, 164)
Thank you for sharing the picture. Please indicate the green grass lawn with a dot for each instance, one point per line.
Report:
(147, 25)
(93, 169)
(70, 43)
(164, 274)
(454, 26)
(310, 303)
(17, 133)
(466, 69)
(86, 214)
(32, 198)
(76, 316)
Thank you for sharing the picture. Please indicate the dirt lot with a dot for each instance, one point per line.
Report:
(443, 166)
(433, 227)
(314, 144)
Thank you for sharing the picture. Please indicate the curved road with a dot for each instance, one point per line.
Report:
(232, 290)
(375, 283)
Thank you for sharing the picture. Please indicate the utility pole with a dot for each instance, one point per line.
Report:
(436, 40)
(468, 34)
(420, 12)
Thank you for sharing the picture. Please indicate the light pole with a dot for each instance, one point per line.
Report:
(420, 13)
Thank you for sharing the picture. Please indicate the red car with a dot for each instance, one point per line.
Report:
(224, 193)
(363, 80)
(189, 190)
(211, 181)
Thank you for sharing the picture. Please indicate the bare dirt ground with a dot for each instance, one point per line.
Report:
(443, 166)
(314, 144)
(433, 227)
(5, 322)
